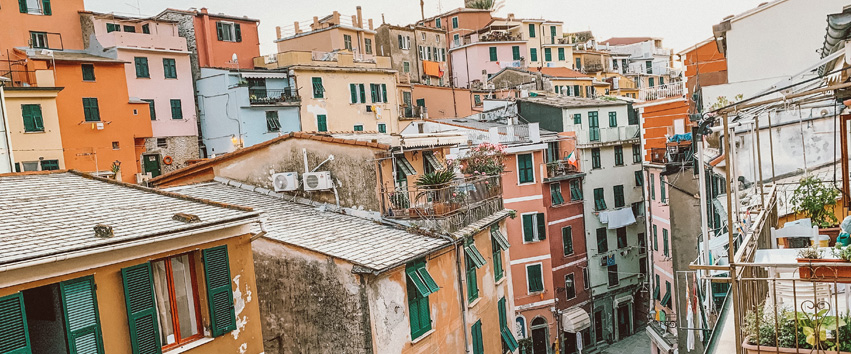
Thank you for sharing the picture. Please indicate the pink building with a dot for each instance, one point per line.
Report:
(159, 72)
(478, 56)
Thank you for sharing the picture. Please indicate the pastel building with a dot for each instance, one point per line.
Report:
(331, 33)
(482, 55)
(32, 119)
(158, 71)
(39, 23)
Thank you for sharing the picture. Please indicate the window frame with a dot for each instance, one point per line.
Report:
(143, 70)
(548, 54)
(533, 54)
(273, 128)
(621, 237)
(318, 87)
(620, 199)
(599, 199)
(540, 266)
(613, 119)
(619, 161)
(347, 42)
(88, 69)
(455, 22)
(414, 295)
(176, 106)
(169, 68)
(525, 172)
(197, 301)
(91, 110)
(602, 235)
(537, 228)
(639, 178)
(666, 249)
(37, 122)
(596, 160)
(567, 241)
(44, 43)
(382, 128)
(636, 153)
(567, 295)
(493, 54)
(556, 197)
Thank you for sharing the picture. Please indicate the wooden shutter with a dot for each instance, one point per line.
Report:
(373, 93)
(384, 93)
(37, 119)
(45, 6)
(528, 233)
(141, 309)
(219, 31)
(478, 346)
(238, 31)
(13, 325)
(22, 5)
(26, 112)
(354, 92)
(219, 293)
(79, 303)
(321, 123)
(542, 227)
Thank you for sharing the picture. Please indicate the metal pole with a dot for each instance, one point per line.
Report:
(734, 288)
(771, 148)
(704, 215)
(759, 160)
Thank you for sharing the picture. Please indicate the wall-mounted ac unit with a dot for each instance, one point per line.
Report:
(142, 177)
(315, 181)
(286, 181)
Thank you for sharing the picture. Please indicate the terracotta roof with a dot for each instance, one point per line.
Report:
(626, 40)
(298, 135)
(559, 72)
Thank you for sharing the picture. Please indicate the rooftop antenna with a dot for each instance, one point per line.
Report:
(138, 7)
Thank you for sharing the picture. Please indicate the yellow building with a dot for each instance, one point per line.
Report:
(331, 33)
(33, 122)
(88, 276)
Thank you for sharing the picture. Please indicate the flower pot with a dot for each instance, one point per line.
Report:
(441, 208)
(833, 232)
(761, 349)
(825, 273)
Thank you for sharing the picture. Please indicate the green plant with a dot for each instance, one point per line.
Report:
(493, 5)
(525, 345)
(842, 252)
(816, 326)
(484, 159)
(811, 252)
(780, 327)
(399, 200)
(436, 178)
(815, 200)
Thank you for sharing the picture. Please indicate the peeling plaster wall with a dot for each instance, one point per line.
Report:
(309, 302)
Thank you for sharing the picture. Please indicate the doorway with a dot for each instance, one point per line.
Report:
(151, 163)
(624, 326)
(540, 336)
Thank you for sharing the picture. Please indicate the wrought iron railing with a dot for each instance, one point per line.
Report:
(416, 202)
(674, 89)
(271, 96)
(561, 168)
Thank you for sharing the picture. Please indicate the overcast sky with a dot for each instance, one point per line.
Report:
(680, 23)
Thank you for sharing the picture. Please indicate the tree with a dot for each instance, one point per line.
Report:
(493, 5)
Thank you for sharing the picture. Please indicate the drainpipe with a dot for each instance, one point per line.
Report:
(458, 255)
(7, 140)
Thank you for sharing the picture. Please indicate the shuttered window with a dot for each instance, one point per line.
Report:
(515, 52)
(561, 54)
(353, 91)
(219, 293)
(33, 121)
(141, 67)
(498, 243)
(91, 112)
(619, 198)
(13, 325)
(535, 278)
(492, 51)
(79, 302)
(534, 227)
(507, 334)
(619, 156)
(141, 309)
(575, 190)
(548, 54)
(555, 194)
(599, 199)
(169, 68)
(88, 72)
(567, 240)
(419, 285)
(476, 332)
(533, 54)
(602, 240)
(318, 89)
(525, 170)
(152, 108)
(321, 123)
(595, 158)
(639, 179)
(593, 125)
(531, 30)
(613, 119)
(176, 109)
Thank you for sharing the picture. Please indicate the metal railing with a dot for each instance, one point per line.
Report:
(673, 153)
(560, 168)
(674, 89)
(409, 111)
(416, 202)
(271, 96)
(18, 78)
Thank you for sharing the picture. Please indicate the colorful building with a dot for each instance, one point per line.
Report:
(38, 23)
(481, 55)
(331, 33)
(93, 277)
(32, 119)
(158, 71)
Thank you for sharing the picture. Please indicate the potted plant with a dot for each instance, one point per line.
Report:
(816, 200)
(434, 185)
(399, 202)
(814, 253)
(485, 159)
(782, 331)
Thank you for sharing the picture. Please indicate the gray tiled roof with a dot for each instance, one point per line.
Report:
(361, 241)
(49, 214)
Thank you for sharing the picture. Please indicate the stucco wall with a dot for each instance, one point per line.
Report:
(29, 146)
(440, 101)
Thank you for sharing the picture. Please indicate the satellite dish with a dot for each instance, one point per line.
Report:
(234, 59)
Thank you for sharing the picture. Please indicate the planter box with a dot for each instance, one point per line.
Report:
(754, 349)
(824, 272)
(833, 232)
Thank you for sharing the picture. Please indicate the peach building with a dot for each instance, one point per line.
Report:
(331, 33)
(33, 121)
(41, 24)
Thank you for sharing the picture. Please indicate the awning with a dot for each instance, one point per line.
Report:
(403, 165)
(474, 255)
(433, 161)
(254, 75)
(575, 320)
(422, 280)
(500, 238)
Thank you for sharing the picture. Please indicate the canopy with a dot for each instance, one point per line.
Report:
(575, 320)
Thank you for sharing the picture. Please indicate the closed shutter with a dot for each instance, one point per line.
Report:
(576, 90)
(354, 92)
(22, 5)
(528, 228)
(321, 123)
(176, 109)
(219, 293)
(384, 92)
(13, 325)
(26, 112)
(45, 6)
(141, 311)
(542, 227)
(478, 345)
(219, 30)
(238, 31)
(79, 302)
(362, 93)
(373, 88)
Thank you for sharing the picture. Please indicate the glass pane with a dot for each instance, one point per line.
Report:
(184, 296)
(163, 303)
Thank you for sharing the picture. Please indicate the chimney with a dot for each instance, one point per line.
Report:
(382, 19)
(278, 31)
(335, 18)
(360, 18)
(203, 10)
(315, 25)
(295, 25)
(511, 17)
(370, 24)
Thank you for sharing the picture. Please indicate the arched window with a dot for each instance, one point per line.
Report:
(520, 327)
(538, 322)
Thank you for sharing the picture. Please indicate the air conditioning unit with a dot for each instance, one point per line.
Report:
(286, 181)
(142, 177)
(315, 181)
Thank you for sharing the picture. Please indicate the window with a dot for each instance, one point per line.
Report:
(321, 123)
(403, 44)
(318, 89)
(173, 280)
(649, 65)
(378, 92)
(33, 121)
(492, 51)
(169, 68)
(531, 30)
(477, 100)
(561, 54)
(455, 22)
(655, 238)
(525, 170)
(567, 240)
(228, 32)
(142, 67)
(595, 158)
(665, 250)
(576, 90)
(661, 81)
(593, 126)
(636, 153)
(652, 187)
(146, 29)
(420, 285)
(666, 301)
(509, 344)
(534, 227)
(367, 43)
(619, 199)
(161, 142)
(382, 128)
(569, 287)
(176, 109)
(555, 194)
(129, 29)
(533, 54)
(548, 54)
(358, 127)
(621, 237)
(49, 165)
(637, 209)
(498, 244)
(112, 27)
(662, 190)
(90, 110)
(515, 52)
(437, 23)
(347, 42)
(272, 122)
(577, 118)
(599, 199)
(598, 326)
(619, 156)
(639, 179)
(578, 64)
(38, 40)
(552, 151)
(535, 278)
(575, 190)
(151, 108)
(613, 119)
(585, 279)
(650, 82)
(476, 333)
(613, 275)
(656, 286)
(88, 72)
(473, 261)
(602, 240)
(456, 40)
(406, 67)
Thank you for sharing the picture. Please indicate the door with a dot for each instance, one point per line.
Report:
(623, 322)
(151, 163)
(540, 338)
(569, 346)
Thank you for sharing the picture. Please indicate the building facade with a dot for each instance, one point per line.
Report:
(32, 119)
(329, 34)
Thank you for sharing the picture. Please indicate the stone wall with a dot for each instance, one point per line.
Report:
(180, 148)
(186, 29)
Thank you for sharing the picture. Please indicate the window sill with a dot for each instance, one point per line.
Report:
(501, 280)
(190, 345)
(38, 132)
(536, 293)
(475, 302)
(526, 184)
(415, 341)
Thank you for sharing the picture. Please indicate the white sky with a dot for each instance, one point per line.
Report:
(680, 23)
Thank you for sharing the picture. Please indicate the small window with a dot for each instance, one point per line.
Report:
(577, 118)
(595, 159)
(662, 189)
(33, 120)
(382, 128)
(534, 227)
(515, 52)
(117, 146)
(477, 100)
(619, 156)
(498, 243)
(602, 240)
(599, 199)
(91, 112)
(525, 169)
(493, 56)
(146, 29)
(169, 68)
(88, 72)
(535, 278)
(665, 250)
(533, 54)
(613, 275)
(621, 237)
(456, 40)
(437, 23)
(406, 67)
(142, 67)
(129, 29)
(176, 109)
(652, 187)
(228, 32)
(473, 261)
(455, 22)
(613, 119)
(321, 123)
(567, 240)
(49, 165)
(636, 153)
(548, 54)
(162, 143)
(619, 197)
(555, 194)
(347, 42)
(358, 127)
(367, 43)
(272, 122)
(569, 287)
(318, 89)
(531, 30)
(575, 189)
(639, 179)
(38, 40)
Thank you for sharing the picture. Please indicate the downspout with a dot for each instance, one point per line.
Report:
(6, 135)
(461, 294)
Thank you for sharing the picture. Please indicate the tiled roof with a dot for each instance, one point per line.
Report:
(360, 241)
(626, 40)
(560, 72)
(46, 214)
(571, 102)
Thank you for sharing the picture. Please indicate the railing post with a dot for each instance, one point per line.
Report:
(494, 135)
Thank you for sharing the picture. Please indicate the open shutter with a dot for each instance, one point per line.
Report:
(13, 325)
(542, 227)
(219, 293)
(26, 112)
(141, 309)
(79, 303)
(528, 233)
(219, 31)
(384, 92)
(362, 93)
(45, 5)
(22, 5)
(238, 31)
(38, 120)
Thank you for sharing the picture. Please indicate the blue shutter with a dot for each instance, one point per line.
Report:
(219, 293)
(13, 325)
(141, 309)
(79, 302)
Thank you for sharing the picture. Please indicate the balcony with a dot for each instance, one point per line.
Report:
(142, 40)
(499, 36)
(410, 112)
(451, 206)
(607, 136)
(676, 153)
(560, 170)
(674, 89)
(515, 133)
(592, 68)
(273, 97)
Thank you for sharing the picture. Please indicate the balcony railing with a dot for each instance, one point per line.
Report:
(458, 196)
(675, 153)
(499, 37)
(410, 112)
(323, 56)
(607, 135)
(560, 168)
(592, 68)
(674, 89)
(272, 96)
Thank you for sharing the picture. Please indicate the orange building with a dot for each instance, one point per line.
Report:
(102, 130)
(38, 23)
(705, 65)
(662, 118)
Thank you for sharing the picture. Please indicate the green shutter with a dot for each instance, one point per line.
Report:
(79, 302)
(176, 109)
(26, 112)
(555, 194)
(45, 5)
(238, 31)
(373, 91)
(478, 345)
(362, 93)
(13, 325)
(528, 228)
(384, 92)
(493, 56)
(321, 123)
(141, 309)
(533, 54)
(534, 276)
(515, 52)
(382, 128)
(22, 5)
(548, 54)
(542, 227)
(474, 255)
(354, 92)
(531, 30)
(219, 31)
(501, 240)
(561, 54)
(219, 293)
